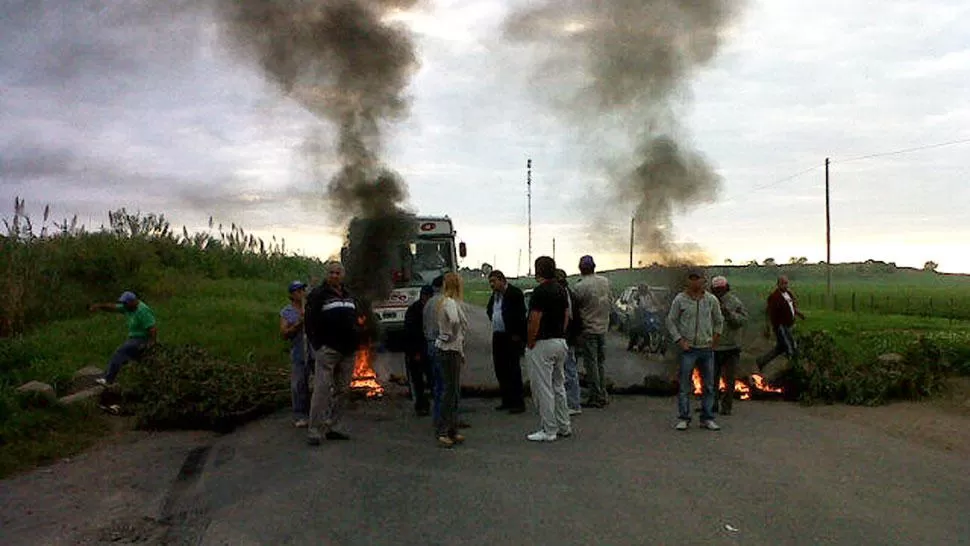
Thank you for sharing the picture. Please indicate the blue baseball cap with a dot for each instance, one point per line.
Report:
(587, 261)
(127, 297)
(297, 285)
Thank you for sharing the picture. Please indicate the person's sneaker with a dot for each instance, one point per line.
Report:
(541, 436)
(334, 435)
(681, 425)
(575, 412)
(301, 423)
(565, 434)
(710, 425)
(313, 437)
(457, 438)
(444, 441)
(101, 381)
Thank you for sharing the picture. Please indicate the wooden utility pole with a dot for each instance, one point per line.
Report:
(553, 248)
(828, 239)
(632, 221)
(528, 184)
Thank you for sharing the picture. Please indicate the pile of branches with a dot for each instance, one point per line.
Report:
(184, 387)
(825, 372)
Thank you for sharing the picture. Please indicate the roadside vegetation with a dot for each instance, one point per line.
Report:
(216, 295)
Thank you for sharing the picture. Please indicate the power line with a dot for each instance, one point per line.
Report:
(783, 180)
(904, 151)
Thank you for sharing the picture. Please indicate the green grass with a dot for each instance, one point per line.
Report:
(30, 438)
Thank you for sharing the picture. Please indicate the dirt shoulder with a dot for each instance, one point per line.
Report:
(942, 423)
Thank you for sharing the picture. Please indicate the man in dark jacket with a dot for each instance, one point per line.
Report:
(782, 309)
(416, 360)
(507, 313)
(333, 330)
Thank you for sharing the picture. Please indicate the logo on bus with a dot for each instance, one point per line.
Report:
(428, 226)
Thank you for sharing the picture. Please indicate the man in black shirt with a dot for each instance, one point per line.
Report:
(546, 352)
(332, 327)
(416, 360)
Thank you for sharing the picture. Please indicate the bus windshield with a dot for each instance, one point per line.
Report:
(427, 259)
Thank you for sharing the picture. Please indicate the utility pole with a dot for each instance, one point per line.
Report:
(528, 184)
(553, 248)
(828, 238)
(518, 265)
(632, 221)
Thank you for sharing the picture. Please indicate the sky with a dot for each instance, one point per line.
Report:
(106, 105)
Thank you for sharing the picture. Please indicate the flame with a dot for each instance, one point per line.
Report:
(364, 378)
(740, 387)
(762, 385)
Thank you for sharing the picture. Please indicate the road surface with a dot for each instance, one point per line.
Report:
(775, 474)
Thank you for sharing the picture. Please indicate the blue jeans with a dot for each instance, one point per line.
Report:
(437, 383)
(300, 366)
(572, 380)
(131, 349)
(704, 360)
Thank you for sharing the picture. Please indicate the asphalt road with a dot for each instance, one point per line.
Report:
(775, 474)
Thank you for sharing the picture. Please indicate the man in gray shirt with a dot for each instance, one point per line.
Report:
(593, 298)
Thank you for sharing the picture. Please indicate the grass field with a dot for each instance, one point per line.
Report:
(222, 292)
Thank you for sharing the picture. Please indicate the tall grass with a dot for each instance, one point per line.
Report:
(56, 270)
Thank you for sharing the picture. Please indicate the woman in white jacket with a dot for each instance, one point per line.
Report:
(450, 343)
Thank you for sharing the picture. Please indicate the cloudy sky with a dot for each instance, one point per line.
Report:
(109, 104)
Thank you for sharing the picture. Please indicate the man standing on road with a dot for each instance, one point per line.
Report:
(728, 351)
(333, 330)
(430, 321)
(142, 332)
(301, 362)
(506, 311)
(695, 324)
(573, 331)
(782, 309)
(593, 297)
(416, 352)
(546, 353)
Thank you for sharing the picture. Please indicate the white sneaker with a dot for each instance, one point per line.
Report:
(301, 423)
(710, 425)
(101, 381)
(575, 412)
(541, 436)
(681, 425)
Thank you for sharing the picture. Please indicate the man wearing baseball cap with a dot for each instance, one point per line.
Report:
(695, 324)
(301, 360)
(592, 293)
(727, 354)
(142, 332)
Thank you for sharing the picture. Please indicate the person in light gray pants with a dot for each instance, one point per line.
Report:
(546, 372)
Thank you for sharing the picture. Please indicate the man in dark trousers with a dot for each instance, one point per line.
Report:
(332, 327)
(506, 311)
(416, 358)
(782, 309)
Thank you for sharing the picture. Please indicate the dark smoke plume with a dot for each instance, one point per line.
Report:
(342, 62)
(609, 64)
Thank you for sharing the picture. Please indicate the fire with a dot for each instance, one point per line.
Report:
(741, 388)
(762, 385)
(364, 378)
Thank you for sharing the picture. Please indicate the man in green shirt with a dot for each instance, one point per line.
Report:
(141, 332)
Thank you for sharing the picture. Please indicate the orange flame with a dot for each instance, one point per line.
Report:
(364, 378)
(762, 385)
(740, 387)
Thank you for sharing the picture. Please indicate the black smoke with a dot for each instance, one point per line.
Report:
(348, 66)
(623, 66)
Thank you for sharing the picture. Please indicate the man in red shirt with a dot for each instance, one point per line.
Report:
(782, 309)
